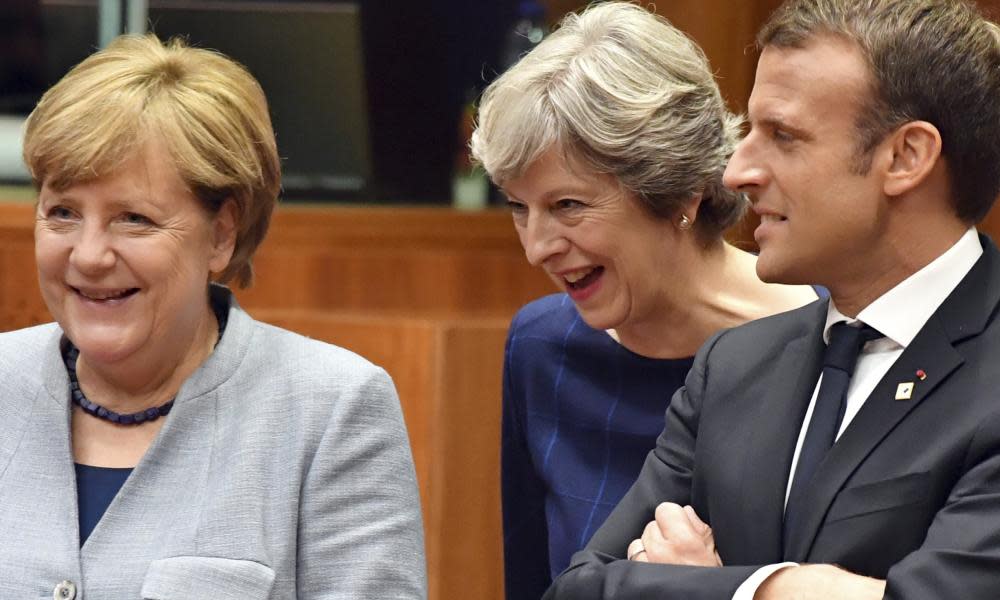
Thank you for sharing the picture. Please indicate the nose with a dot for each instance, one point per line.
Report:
(744, 173)
(542, 239)
(92, 253)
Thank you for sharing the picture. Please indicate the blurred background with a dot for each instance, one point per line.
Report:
(372, 100)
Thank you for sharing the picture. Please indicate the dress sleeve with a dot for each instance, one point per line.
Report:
(360, 530)
(525, 543)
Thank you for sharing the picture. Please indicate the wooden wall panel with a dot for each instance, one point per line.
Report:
(409, 260)
(465, 513)
(20, 301)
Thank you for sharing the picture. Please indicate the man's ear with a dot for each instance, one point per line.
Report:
(224, 225)
(916, 149)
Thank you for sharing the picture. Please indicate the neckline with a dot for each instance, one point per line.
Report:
(607, 336)
(70, 355)
(99, 469)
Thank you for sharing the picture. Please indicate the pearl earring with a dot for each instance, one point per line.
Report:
(685, 223)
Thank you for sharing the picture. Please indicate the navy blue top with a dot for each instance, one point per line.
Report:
(96, 487)
(580, 414)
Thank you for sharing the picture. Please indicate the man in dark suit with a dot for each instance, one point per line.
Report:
(863, 432)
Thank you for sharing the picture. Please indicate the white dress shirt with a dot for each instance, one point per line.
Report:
(899, 315)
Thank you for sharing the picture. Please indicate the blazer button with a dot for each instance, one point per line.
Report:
(64, 590)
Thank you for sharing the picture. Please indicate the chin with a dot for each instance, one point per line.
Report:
(102, 347)
(784, 276)
(772, 269)
(600, 320)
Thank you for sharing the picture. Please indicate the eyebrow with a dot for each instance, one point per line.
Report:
(128, 203)
(779, 122)
(558, 193)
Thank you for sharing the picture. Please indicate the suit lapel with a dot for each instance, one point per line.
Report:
(963, 314)
(878, 416)
(775, 429)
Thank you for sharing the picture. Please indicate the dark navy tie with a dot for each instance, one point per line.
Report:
(828, 413)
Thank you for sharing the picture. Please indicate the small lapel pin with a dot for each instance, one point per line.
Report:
(904, 391)
(921, 374)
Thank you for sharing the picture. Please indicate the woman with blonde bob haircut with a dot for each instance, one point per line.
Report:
(159, 442)
(609, 139)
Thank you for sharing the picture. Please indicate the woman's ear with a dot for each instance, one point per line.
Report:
(916, 149)
(224, 225)
(690, 208)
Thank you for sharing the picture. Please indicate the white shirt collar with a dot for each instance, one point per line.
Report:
(901, 313)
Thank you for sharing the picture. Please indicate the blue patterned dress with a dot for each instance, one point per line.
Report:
(580, 414)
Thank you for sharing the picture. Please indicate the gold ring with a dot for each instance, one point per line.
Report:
(636, 553)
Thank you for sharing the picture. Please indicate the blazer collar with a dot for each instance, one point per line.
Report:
(965, 313)
(228, 353)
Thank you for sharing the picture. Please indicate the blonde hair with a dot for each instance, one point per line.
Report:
(208, 110)
(629, 95)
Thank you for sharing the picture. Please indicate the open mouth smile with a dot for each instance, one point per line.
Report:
(104, 295)
(580, 279)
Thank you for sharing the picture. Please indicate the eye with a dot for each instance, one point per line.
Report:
(59, 213)
(518, 210)
(569, 205)
(782, 136)
(132, 218)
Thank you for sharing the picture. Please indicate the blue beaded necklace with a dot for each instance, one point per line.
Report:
(92, 408)
(70, 356)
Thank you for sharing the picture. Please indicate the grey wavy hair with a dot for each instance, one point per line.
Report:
(622, 92)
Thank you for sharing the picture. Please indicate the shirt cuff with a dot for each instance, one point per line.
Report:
(749, 587)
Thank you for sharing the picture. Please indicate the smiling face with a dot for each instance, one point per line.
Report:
(124, 261)
(593, 240)
(821, 221)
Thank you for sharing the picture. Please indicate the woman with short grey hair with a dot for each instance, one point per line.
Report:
(609, 140)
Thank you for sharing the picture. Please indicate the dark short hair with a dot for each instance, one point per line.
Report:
(931, 60)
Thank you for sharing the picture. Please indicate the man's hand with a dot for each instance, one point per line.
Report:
(676, 537)
(819, 582)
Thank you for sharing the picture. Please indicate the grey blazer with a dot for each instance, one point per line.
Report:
(283, 471)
